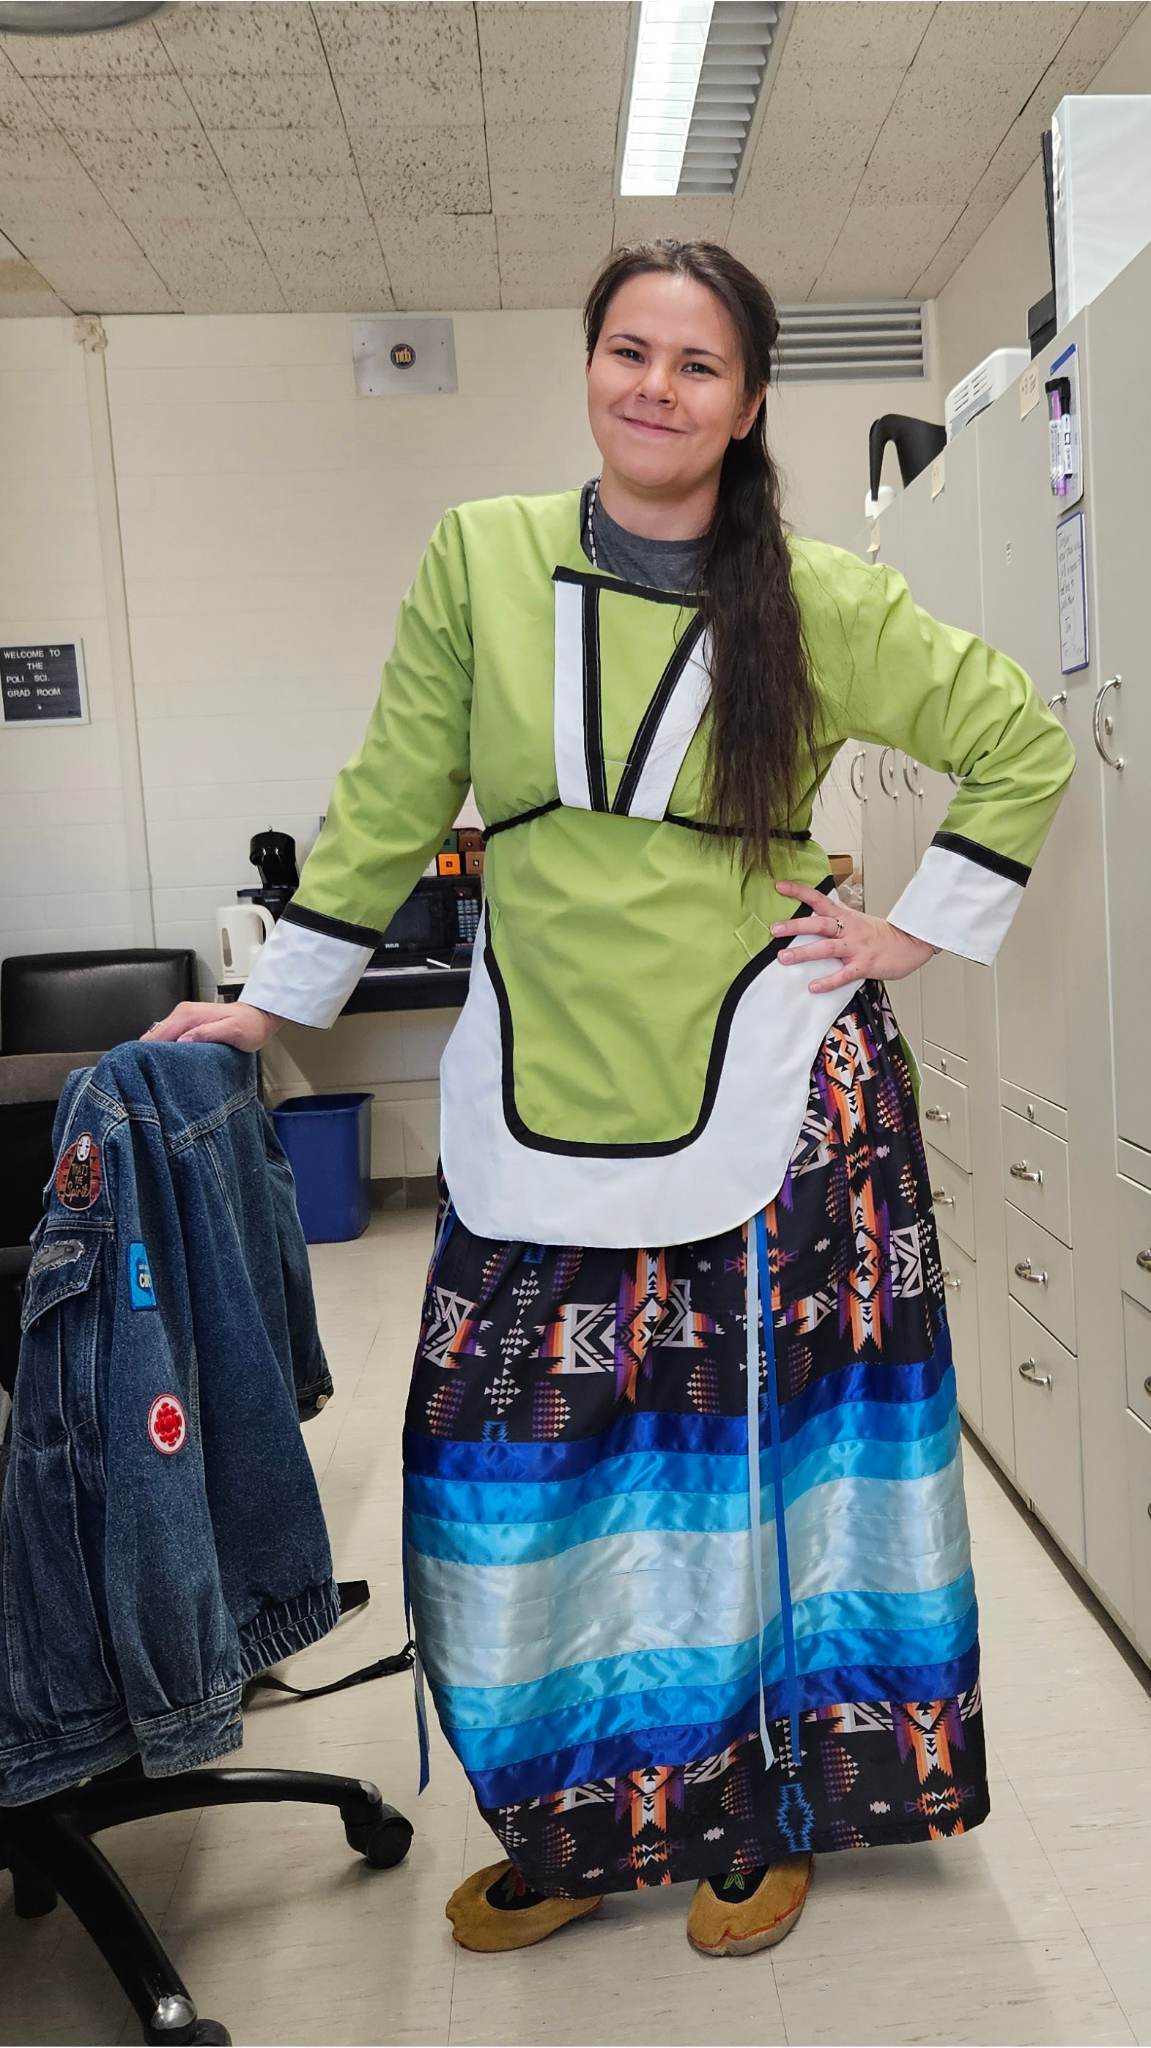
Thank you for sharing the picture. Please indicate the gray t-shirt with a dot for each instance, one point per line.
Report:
(660, 564)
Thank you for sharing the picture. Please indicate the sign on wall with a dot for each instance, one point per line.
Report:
(43, 685)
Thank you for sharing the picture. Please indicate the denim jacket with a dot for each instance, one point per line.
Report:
(161, 1537)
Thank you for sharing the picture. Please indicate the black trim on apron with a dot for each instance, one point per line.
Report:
(578, 1148)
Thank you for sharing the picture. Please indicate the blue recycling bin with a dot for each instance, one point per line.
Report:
(328, 1140)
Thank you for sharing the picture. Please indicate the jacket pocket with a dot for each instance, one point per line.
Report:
(62, 1265)
(54, 1639)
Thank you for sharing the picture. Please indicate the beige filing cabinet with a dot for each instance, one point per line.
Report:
(1037, 1091)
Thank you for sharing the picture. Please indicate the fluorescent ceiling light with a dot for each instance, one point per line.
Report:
(697, 73)
(668, 60)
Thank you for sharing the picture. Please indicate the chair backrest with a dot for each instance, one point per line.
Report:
(72, 1002)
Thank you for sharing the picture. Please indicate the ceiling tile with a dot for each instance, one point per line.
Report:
(423, 170)
(280, 201)
(325, 266)
(111, 106)
(33, 205)
(688, 219)
(883, 249)
(1022, 34)
(409, 64)
(442, 262)
(18, 103)
(40, 153)
(150, 159)
(285, 152)
(864, 33)
(238, 37)
(551, 259)
(224, 272)
(975, 219)
(819, 130)
(130, 52)
(101, 238)
(937, 142)
(288, 99)
(24, 294)
(552, 57)
(109, 284)
(538, 166)
(782, 250)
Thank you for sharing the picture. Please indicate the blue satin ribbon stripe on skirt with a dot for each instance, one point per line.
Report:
(663, 1643)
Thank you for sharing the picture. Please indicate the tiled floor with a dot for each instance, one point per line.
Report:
(1032, 1929)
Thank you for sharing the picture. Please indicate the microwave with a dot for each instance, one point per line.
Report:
(441, 914)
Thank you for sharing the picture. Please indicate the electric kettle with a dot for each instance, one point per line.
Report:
(242, 930)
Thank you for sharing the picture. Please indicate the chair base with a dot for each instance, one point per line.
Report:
(49, 1848)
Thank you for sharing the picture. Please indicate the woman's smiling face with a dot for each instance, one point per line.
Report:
(665, 382)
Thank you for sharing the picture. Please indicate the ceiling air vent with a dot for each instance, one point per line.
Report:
(834, 344)
(698, 68)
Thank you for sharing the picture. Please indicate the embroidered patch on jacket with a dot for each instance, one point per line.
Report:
(56, 1251)
(167, 1424)
(79, 1175)
(140, 1288)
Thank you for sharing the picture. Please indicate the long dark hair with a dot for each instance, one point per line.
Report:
(763, 697)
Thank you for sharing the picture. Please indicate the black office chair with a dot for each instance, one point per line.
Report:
(74, 1001)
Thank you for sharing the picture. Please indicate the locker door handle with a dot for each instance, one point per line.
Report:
(950, 1280)
(935, 1115)
(1030, 1371)
(1019, 1170)
(889, 789)
(1023, 1271)
(912, 786)
(1108, 724)
(1143, 1261)
(941, 1196)
(857, 761)
(1059, 698)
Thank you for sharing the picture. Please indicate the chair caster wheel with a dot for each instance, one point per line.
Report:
(383, 1841)
(192, 2030)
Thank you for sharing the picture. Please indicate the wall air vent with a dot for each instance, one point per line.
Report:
(838, 344)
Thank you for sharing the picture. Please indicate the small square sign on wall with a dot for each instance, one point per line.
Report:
(43, 685)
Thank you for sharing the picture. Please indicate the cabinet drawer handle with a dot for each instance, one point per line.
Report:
(935, 1115)
(1143, 1261)
(1108, 724)
(887, 761)
(1030, 1371)
(941, 1196)
(1020, 1170)
(857, 761)
(913, 787)
(950, 1280)
(1023, 1271)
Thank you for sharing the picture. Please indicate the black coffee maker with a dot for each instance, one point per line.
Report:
(273, 855)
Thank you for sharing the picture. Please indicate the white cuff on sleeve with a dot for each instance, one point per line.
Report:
(961, 900)
(305, 975)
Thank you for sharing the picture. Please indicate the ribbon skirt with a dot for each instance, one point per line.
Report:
(638, 1689)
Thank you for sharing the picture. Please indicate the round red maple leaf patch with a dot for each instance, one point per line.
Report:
(167, 1424)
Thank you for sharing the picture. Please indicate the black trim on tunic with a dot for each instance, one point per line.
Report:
(984, 857)
(331, 927)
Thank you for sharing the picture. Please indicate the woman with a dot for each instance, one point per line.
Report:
(683, 1188)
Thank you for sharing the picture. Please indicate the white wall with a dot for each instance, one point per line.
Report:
(260, 523)
(984, 306)
(66, 871)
